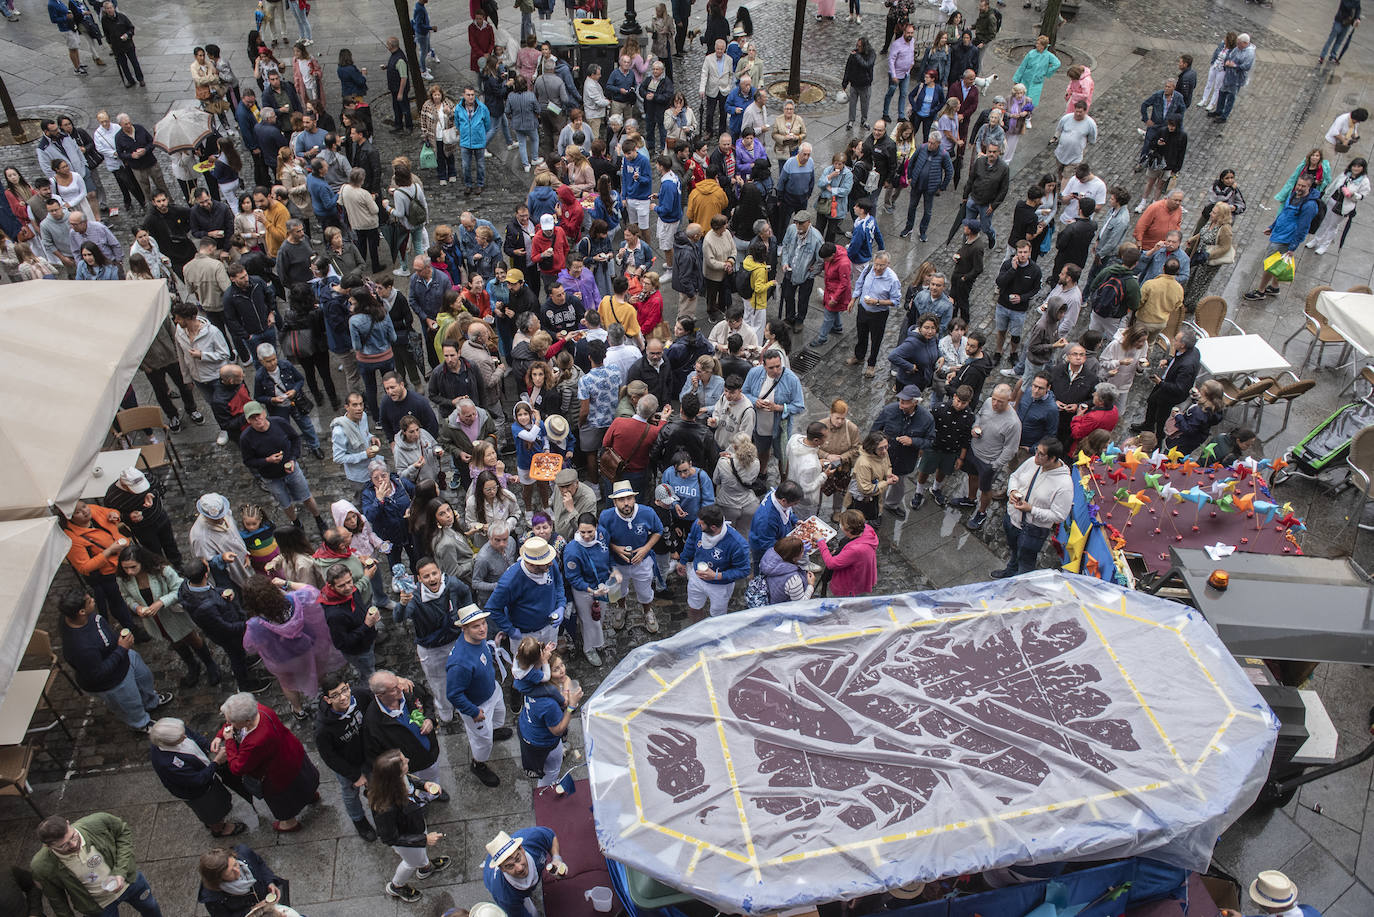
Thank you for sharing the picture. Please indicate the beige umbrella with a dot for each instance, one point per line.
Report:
(181, 129)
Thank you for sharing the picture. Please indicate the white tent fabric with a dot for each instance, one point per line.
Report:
(67, 356)
(31, 550)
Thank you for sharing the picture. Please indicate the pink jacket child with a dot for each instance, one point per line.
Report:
(1081, 88)
(854, 570)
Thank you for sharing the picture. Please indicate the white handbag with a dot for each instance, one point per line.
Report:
(449, 136)
(842, 96)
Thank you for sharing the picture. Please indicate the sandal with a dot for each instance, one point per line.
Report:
(238, 828)
(276, 826)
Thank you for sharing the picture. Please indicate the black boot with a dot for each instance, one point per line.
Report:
(212, 672)
(365, 830)
(319, 523)
(192, 676)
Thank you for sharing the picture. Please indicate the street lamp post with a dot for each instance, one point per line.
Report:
(631, 25)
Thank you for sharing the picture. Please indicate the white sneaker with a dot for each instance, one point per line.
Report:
(1321, 249)
(1202, 105)
(527, 168)
(1311, 243)
(400, 272)
(487, 153)
(511, 146)
(665, 276)
(434, 57)
(1140, 131)
(222, 438)
(1140, 208)
(426, 74)
(859, 20)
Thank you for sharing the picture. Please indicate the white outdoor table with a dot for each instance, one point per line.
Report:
(108, 465)
(21, 700)
(1233, 354)
(1351, 315)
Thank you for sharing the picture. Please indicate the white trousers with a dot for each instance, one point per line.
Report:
(641, 576)
(434, 663)
(480, 734)
(700, 593)
(552, 765)
(593, 634)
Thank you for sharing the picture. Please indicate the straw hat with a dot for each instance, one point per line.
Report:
(502, 846)
(471, 614)
(536, 550)
(622, 489)
(1272, 888)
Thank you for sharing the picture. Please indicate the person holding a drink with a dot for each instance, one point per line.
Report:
(398, 809)
(714, 558)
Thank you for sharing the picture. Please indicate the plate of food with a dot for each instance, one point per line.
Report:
(544, 466)
(204, 166)
(813, 530)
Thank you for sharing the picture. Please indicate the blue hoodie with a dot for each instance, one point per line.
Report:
(692, 493)
(669, 206)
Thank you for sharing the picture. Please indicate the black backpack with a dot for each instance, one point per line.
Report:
(1109, 301)
(744, 282)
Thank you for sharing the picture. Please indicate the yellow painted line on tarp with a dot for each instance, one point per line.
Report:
(730, 768)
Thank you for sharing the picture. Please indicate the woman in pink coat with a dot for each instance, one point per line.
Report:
(1080, 87)
(854, 568)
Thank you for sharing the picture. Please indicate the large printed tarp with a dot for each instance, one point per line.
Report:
(823, 750)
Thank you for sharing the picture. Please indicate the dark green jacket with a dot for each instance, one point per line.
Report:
(107, 833)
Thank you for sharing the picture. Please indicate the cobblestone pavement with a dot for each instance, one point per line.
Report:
(1284, 110)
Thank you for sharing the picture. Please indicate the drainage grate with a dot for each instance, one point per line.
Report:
(804, 361)
(1141, 52)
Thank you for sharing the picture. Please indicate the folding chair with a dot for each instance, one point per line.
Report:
(15, 761)
(153, 455)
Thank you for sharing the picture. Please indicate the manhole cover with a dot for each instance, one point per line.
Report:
(803, 361)
(31, 132)
(810, 92)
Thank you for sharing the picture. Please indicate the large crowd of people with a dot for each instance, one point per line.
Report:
(536, 448)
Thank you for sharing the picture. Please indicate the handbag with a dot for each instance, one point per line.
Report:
(756, 593)
(202, 92)
(611, 463)
(449, 136)
(838, 480)
(428, 158)
(299, 345)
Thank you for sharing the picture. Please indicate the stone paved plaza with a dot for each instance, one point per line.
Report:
(1130, 45)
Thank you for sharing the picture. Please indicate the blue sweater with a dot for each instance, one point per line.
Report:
(768, 525)
(537, 843)
(866, 239)
(587, 567)
(692, 493)
(632, 533)
(323, 199)
(471, 676)
(729, 558)
(520, 606)
(914, 359)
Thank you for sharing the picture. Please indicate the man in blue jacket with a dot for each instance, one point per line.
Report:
(622, 88)
(909, 428)
(773, 519)
(714, 558)
(928, 172)
(1038, 412)
(636, 183)
(667, 202)
(528, 598)
(914, 359)
(473, 121)
(472, 690)
(740, 98)
(632, 531)
(1290, 227)
(106, 663)
(434, 612)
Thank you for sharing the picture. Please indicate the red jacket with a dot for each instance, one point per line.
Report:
(837, 283)
(853, 571)
(558, 245)
(270, 752)
(1091, 420)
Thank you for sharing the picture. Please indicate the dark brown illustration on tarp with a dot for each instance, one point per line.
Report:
(673, 754)
(831, 721)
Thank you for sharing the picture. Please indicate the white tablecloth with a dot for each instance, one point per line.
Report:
(1351, 315)
(108, 465)
(1226, 355)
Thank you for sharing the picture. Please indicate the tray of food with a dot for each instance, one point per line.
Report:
(204, 166)
(813, 530)
(544, 466)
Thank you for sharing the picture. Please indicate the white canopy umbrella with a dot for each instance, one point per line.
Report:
(181, 129)
(31, 550)
(67, 356)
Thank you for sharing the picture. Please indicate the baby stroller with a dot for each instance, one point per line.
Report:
(1322, 453)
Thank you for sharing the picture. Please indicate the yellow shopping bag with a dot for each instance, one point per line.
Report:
(1279, 265)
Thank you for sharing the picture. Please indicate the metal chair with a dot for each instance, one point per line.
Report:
(40, 655)
(1210, 317)
(15, 761)
(153, 455)
(1165, 338)
(1315, 325)
(1287, 394)
(1246, 396)
(1361, 462)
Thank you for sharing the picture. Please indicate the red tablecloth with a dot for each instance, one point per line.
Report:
(570, 818)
